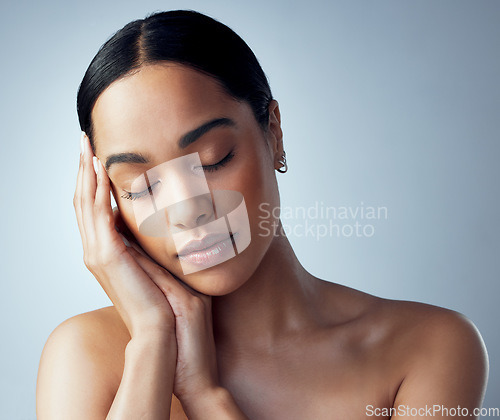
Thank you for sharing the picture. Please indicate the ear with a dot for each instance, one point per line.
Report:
(275, 138)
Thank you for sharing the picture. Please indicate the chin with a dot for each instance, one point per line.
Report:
(216, 279)
(220, 279)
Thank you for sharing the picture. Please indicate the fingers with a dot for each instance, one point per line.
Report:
(78, 196)
(120, 225)
(93, 209)
(179, 295)
(88, 194)
(104, 220)
(139, 301)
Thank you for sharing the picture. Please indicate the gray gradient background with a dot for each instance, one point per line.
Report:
(388, 103)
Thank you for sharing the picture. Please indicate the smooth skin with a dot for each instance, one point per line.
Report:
(256, 337)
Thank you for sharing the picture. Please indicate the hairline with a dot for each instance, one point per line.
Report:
(167, 63)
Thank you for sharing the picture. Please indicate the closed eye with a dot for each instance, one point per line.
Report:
(218, 165)
(206, 168)
(133, 196)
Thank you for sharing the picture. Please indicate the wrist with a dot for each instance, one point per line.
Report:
(216, 403)
(152, 332)
(152, 328)
(152, 339)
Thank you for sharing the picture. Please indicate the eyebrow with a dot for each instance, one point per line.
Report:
(187, 139)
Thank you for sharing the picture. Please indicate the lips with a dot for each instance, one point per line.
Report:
(203, 243)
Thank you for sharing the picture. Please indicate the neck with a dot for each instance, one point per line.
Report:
(277, 299)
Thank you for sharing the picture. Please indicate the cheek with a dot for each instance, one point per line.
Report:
(252, 174)
(257, 182)
(156, 247)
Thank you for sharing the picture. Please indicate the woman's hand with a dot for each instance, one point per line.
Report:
(196, 371)
(149, 299)
(196, 382)
(137, 298)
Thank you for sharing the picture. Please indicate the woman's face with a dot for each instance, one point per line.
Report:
(147, 113)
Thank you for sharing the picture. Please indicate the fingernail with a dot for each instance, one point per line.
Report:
(96, 164)
(125, 241)
(81, 142)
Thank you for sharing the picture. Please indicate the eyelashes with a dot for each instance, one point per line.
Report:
(134, 196)
(206, 168)
(218, 165)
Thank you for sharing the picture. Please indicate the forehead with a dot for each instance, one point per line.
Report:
(158, 102)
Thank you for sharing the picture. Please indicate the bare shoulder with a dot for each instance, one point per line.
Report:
(432, 331)
(428, 354)
(81, 366)
(442, 354)
(435, 355)
(409, 323)
(100, 333)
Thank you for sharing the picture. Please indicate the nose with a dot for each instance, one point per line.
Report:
(190, 213)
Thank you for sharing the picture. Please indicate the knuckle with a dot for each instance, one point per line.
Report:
(98, 260)
(76, 200)
(88, 262)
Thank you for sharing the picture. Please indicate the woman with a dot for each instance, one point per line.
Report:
(230, 329)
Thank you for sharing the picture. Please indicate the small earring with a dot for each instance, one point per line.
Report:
(282, 161)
